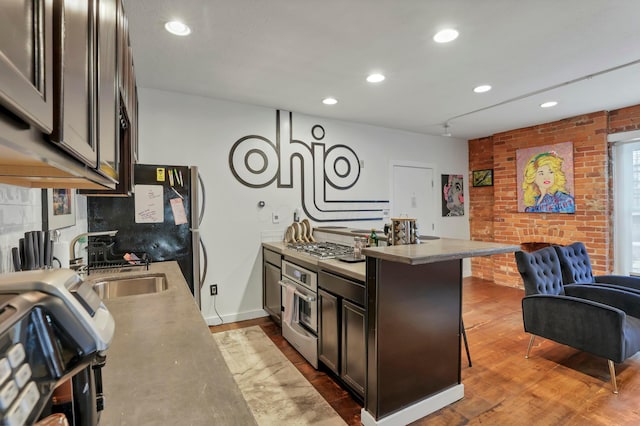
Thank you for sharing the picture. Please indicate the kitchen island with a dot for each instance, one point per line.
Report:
(413, 308)
(413, 318)
(163, 366)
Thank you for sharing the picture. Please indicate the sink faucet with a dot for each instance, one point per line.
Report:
(72, 246)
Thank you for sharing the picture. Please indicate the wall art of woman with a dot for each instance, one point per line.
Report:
(453, 195)
(544, 185)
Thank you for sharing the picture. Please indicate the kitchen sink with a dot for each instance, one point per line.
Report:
(120, 287)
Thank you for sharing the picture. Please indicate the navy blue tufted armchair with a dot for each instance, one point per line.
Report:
(576, 268)
(603, 321)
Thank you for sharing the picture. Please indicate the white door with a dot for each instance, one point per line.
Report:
(412, 195)
(627, 208)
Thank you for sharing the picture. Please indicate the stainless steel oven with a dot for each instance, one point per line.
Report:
(300, 309)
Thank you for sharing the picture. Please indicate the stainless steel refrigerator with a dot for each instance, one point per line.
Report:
(161, 219)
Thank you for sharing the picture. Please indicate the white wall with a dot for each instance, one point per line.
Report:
(190, 130)
(21, 211)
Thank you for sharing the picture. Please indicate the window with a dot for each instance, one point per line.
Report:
(627, 207)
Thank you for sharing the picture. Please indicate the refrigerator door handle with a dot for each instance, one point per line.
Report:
(205, 260)
(204, 198)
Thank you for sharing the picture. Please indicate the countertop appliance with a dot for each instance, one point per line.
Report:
(300, 314)
(53, 327)
(161, 219)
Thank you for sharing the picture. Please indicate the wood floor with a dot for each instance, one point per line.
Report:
(557, 385)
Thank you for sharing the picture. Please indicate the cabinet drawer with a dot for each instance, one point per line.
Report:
(350, 290)
(272, 257)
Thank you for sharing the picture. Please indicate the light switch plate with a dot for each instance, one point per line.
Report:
(275, 217)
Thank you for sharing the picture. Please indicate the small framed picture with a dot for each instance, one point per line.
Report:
(483, 177)
(58, 208)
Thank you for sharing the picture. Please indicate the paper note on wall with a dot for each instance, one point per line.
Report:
(148, 203)
(179, 214)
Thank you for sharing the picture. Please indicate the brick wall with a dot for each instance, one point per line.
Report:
(624, 119)
(481, 207)
(493, 210)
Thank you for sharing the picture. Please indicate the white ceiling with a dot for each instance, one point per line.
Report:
(290, 54)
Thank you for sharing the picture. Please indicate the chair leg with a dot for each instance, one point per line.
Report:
(612, 371)
(466, 344)
(533, 336)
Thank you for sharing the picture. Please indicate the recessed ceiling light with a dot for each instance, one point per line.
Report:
(375, 78)
(548, 104)
(329, 101)
(483, 88)
(445, 35)
(177, 28)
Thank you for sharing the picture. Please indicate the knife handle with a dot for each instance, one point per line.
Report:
(31, 236)
(15, 254)
(29, 252)
(23, 256)
(40, 246)
(48, 252)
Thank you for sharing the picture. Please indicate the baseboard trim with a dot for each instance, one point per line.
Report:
(242, 316)
(417, 410)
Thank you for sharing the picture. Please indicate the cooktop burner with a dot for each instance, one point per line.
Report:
(322, 250)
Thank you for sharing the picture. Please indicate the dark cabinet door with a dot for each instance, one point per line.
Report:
(26, 56)
(272, 295)
(74, 87)
(329, 330)
(353, 365)
(107, 90)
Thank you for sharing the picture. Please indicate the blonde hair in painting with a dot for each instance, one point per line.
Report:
(531, 190)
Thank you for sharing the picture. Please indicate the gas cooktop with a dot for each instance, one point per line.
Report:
(322, 250)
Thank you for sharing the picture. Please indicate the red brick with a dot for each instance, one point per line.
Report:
(495, 215)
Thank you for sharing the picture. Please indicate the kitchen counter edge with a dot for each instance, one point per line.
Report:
(439, 250)
(163, 366)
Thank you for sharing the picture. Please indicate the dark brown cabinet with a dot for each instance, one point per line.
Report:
(329, 330)
(108, 102)
(271, 294)
(352, 368)
(68, 96)
(341, 329)
(116, 128)
(74, 74)
(26, 58)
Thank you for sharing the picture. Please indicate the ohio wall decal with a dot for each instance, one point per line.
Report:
(257, 162)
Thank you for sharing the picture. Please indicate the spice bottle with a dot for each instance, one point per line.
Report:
(373, 238)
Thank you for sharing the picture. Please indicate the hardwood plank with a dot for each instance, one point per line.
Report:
(556, 385)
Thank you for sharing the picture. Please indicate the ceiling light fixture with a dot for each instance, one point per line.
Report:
(375, 78)
(177, 28)
(548, 104)
(329, 101)
(447, 130)
(482, 89)
(445, 36)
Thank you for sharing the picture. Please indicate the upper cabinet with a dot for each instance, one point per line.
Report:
(67, 90)
(74, 73)
(107, 89)
(114, 54)
(26, 54)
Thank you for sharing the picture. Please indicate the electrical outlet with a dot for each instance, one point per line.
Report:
(213, 289)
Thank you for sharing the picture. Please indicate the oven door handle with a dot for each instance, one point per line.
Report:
(301, 295)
